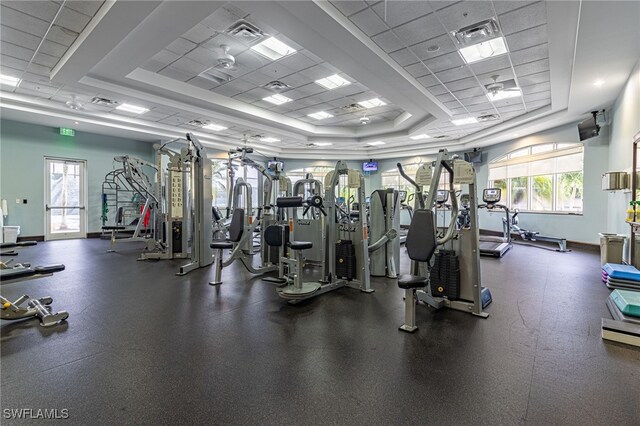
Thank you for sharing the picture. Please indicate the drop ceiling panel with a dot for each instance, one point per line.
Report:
(532, 68)
(318, 71)
(45, 60)
(530, 79)
(296, 63)
(469, 93)
(530, 54)
(19, 38)
(465, 13)
(369, 22)
(175, 73)
(54, 49)
(181, 46)
(428, 80)
(487, 78)
(523, 18)
(535, 88)
(445, 62)
(481, 109)
(15, 51)
(87, 7)
(27, 23)
(404, 57)
(56, 34)
(189, 66)
(417, 70)
(438, 89)
(8, 61)
(491, 65)
(73, 20)
(44, 10)
(401, 12)
(203, 83)
(506, 6)
(540, 96)
(424, 28)
(39, 87)
(527, 38)
(388, 41)
(465, 83)
(222, 18)
(443, 42)
(198, 34)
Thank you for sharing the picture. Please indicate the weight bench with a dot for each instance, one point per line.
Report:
(421, 244)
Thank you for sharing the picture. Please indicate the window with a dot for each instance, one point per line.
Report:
(546, 178)
(220, 184)
(392, 179)
(318, 172)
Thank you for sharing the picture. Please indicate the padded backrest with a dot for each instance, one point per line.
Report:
(273, 235)
(421, 238)
(216, 213)
(119, 214)
(236, 227)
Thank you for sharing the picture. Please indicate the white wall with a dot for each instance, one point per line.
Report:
(625, 123)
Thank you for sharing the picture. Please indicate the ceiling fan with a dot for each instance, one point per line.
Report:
(501, 86)
(223, 59)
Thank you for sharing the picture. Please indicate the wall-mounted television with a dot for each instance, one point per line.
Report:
(589, 128)
(370, 166)
(473, 157)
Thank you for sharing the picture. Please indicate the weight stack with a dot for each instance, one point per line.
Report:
(345, 260)
(445, 275)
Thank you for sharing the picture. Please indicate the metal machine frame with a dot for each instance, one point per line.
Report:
(495, 246)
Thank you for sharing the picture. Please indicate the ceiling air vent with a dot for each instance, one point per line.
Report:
(277, 86)
(246, 31)
(488, 117)
(477, 33)
(197, 123)
(103, 101)
(353, 108)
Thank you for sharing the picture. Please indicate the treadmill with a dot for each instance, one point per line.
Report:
(495, 246)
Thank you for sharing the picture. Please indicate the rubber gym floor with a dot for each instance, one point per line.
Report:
(143, 346)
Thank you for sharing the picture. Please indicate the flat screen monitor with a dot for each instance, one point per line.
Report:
(370, 166)
(588, 128)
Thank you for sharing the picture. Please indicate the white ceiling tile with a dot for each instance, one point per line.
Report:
(536, 78)
(87, 7)
(227, 90)
(304, 91)
(507, 6)
(296, 63)
(464, 83)
(438, 89)
(15, 51)
(8, 61)
(428, 80)
(317, 72)
(447, 97)
(19, 38)
(349, 7)
(73, 20)
(53, 49)
(236, 46)
(469, 93)
(44, 10)
(532, 68)
(535, 88)
(401, 12)
(369, 22)
(257, 78)
(176, 74)
(202, 56)
(454, 74)
(464, 14)
(417, 70)
(165, 57)
(404, 57)
(198, 34)
(35, 93)
(249, 61)
(491, 65)
(276, 70)
(45, 60)
(181, 46)
(190, 66)
(222, 18)
(27, 23)
(540, 96)
(203, 83)
(530, 54)
(311, 56)
(388, 42)
(444, 43)
(43, 89)
(295, 80)
(523, 18)
(422, 29)
(57, 35)
(241, 84)
(445, 62)
(514, 107)
(538, 104)
(527, 38)
(487, 78)
(259, 92)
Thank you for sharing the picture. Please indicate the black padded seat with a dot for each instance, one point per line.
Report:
(300, 245)
(221, 245)
(411, 281)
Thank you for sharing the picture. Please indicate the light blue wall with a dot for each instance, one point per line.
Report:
(22, 150)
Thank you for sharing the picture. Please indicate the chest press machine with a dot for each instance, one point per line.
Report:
(453, 281)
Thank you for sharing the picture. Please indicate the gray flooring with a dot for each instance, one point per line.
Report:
(143, 346)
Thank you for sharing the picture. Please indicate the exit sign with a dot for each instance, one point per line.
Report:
(64, 131)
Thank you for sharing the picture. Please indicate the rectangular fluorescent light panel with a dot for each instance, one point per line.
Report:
(8, 80)
(486, 49)
(322, 143)
(372, 103)
(333, 82)
(132, 108)
(504, 94)
(214, 127)
(376, 143)
(463, 121)
(418, 137)
(273, 49)
(320, 115)
(277, 99)
(269, 139)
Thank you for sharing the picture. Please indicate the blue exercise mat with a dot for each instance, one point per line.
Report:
(621, 272)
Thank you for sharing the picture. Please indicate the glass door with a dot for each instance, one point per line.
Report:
(65, 191)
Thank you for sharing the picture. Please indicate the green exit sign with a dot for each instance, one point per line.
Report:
(65, 131)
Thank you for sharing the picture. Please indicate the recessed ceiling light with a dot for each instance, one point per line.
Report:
(486, 49)
(418, 137)
(269, 139)
(322, 143)
(132, 108)
(320, 115)
(75, 122)
(504, 94)
(376, 143)
(273, 49)
(372, 103)
(333, 82)
(214, 127)
(463, 121)
(8, 80)
(599, 82)
(277, 99)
